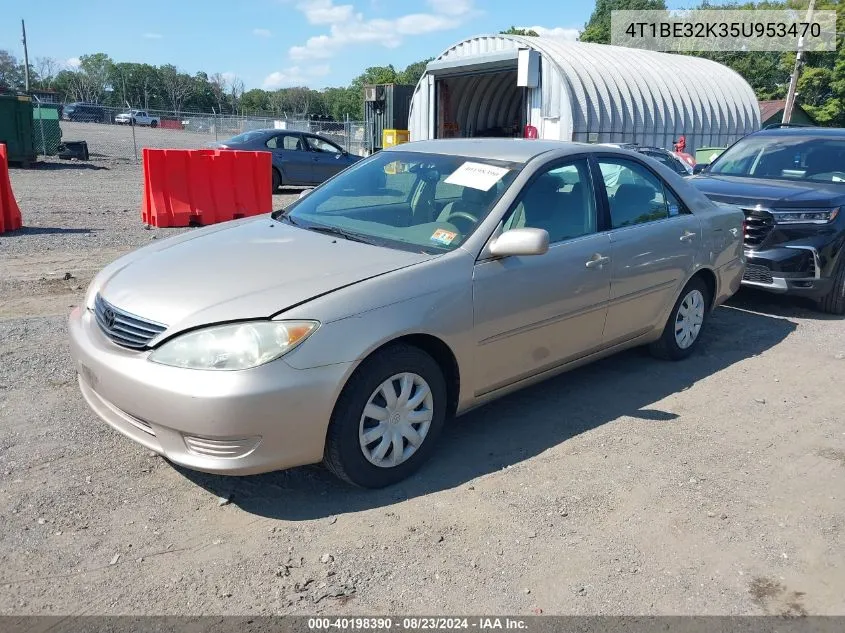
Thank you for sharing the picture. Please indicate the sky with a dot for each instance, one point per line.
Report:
(273, 43)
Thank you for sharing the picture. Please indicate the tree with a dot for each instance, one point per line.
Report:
(46, 68)
(413, 72)
(597, 28)
(11, 71)
(515, 31)
(255, 100)
(376, 75)
(176, 86)
(93, 76)
(343, 102)
(236, 89)
(219, 85)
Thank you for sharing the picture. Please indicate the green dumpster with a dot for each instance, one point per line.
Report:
(16, 128)
(707, 155)
(45, 119)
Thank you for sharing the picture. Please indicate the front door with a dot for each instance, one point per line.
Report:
(325, 157)
(534, 313)
(655, 240)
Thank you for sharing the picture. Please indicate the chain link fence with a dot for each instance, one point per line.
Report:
(58, 126)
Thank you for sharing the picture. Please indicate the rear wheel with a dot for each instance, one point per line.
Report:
(685, 324)
(153, 123)
(387, 419)
(834, 301)
(277, 180)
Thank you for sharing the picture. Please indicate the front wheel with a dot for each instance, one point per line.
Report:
(387, 419)
(834, 301)
(685, 323)
(277, 180)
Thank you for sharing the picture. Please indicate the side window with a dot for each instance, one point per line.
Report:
(291, 142)
(635, 194)
(561, 201)
(273, 142)
(319, 145)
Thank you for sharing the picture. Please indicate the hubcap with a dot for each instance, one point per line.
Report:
(689, 319)
(396, 420)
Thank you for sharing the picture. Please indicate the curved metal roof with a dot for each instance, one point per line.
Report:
(621, 94)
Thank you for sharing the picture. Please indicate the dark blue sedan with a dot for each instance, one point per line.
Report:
(300, 159)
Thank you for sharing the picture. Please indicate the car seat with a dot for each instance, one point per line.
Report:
(629, 203)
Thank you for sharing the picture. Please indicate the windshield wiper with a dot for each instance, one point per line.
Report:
(334, 230)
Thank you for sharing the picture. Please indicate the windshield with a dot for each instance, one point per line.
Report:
(420, 202)
(246, 136)
(784, 158)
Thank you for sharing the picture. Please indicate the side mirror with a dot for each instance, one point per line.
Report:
(700, 167)
(520, 242)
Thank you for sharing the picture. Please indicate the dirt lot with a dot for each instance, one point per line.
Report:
(633, 486)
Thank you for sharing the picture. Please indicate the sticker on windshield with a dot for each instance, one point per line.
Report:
(476, 176)
(443, 237)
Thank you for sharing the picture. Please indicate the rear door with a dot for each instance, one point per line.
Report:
(326, 157)
(291, 158)
(654, 242)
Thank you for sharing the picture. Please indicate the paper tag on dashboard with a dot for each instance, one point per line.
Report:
(476, 176)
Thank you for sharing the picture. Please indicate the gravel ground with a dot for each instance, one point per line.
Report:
(632, 486)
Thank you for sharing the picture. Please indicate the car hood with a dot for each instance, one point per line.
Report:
(779, 193)
(251, 269)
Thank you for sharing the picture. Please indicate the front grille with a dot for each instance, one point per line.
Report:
(757, 273)
(758, 224)
(123, 328)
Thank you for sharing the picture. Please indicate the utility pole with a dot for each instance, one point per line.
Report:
(25, 57)
(793, 80)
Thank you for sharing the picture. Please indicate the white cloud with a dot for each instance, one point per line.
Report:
(294, 76)
(557, 32)
(73, 62)
(152, 36)
(262, 32)
(325, 11)
(354, 29)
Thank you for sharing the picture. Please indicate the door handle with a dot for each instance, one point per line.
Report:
(688, 236)
(597, 261)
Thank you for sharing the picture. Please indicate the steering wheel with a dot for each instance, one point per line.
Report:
(463, 215)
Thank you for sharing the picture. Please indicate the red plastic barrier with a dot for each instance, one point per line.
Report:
(169, 124)
(10, 213)
(204, 186)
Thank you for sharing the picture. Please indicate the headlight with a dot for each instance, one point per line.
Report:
(234, 346)
(805, 216)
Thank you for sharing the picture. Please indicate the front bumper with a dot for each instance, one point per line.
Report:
(786, 269)
(226, 422)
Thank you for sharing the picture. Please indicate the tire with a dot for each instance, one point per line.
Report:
(344, 454)
(277, 180)
(153, 123)
(696, 297)
(834, 301)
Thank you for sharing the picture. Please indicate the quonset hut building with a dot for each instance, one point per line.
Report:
(496, 85)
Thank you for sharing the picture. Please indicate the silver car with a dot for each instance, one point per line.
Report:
(422, 282)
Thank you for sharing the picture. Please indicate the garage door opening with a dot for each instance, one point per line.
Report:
(476, 105)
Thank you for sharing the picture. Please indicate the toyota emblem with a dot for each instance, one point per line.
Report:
(108, 318)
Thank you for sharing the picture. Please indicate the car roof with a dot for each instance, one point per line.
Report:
(514, 150)
(822, 132)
